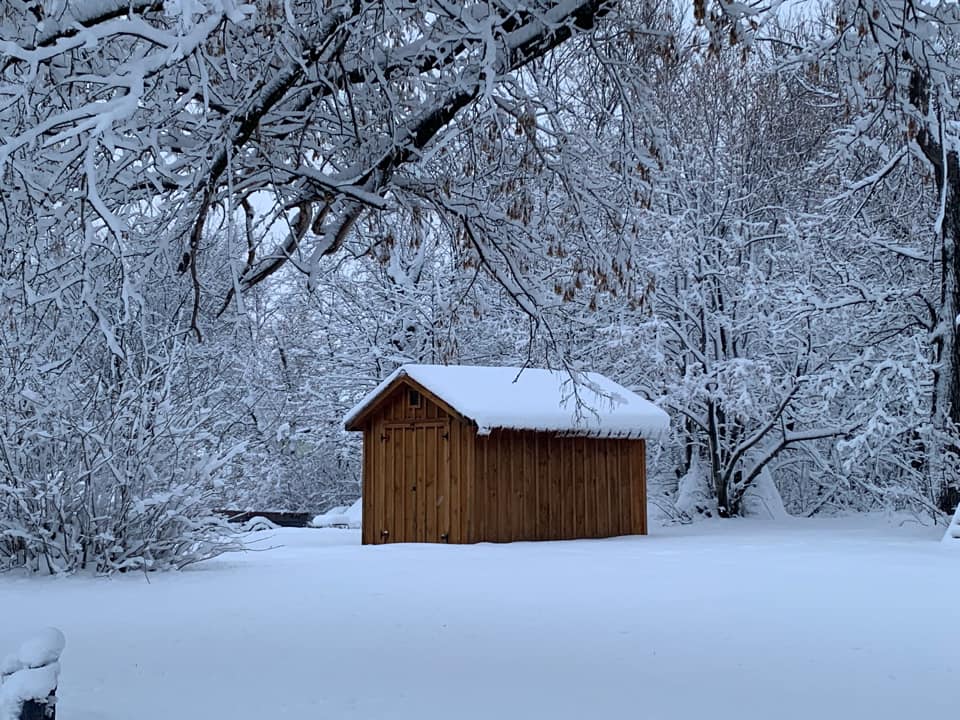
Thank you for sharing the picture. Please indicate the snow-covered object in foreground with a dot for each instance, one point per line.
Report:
(512, 398)
(348, 517)
(25, 685)
(41, 649)
(31, 673)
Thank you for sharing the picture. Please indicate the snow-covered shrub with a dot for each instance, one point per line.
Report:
(110, 477)
(111, 426)
(287, 414)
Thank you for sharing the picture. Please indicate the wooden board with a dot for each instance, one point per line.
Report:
(417, 479)
(534, 486)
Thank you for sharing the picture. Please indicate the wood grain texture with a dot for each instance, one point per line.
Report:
(429, 477)
(534, 486)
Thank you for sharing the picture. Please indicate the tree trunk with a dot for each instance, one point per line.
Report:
(723, 500)
(945, 405)
(735, 498)
(946, 398)
(714, 423)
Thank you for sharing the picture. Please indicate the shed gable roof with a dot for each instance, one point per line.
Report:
(528, 399)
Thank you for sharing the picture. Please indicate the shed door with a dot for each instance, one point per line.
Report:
(417, 480)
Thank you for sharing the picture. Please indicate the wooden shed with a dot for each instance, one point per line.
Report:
(464, 454)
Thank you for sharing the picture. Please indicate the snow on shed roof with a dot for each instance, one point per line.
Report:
(531, 399)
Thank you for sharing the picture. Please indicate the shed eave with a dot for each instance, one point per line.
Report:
(589, 433)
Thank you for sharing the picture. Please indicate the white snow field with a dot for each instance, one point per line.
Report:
(845, 618)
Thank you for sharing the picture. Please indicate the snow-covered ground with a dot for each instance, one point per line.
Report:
(740, 619)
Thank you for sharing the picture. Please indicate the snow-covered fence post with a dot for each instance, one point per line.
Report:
(28, 678)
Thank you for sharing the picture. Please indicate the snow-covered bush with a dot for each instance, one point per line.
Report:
(287, 413)
(110, 476)
(111, 424)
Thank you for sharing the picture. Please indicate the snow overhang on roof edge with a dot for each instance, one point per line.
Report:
(534, 399)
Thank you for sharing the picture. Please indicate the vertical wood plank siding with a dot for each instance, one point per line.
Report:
(560, 488)
(428, 477)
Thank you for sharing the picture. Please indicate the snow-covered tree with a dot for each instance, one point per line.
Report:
(159, 161)
(898, 67)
